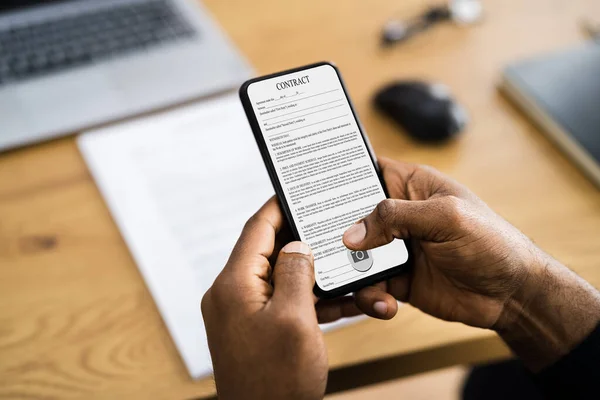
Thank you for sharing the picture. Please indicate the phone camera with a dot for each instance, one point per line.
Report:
(358, 256)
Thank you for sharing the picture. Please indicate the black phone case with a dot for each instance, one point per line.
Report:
(353, 286)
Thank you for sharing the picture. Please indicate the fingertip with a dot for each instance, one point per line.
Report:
(385, 309)
(392, 308)
(380, 307)
(376, 302)
(355, 235)
(298, 248)
(293, 276)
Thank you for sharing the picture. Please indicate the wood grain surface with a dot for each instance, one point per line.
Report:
(76, 320)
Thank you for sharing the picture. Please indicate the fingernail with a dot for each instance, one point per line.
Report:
(356, 233)
(297, 247)
(380, 307)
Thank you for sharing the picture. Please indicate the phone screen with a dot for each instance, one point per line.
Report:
(324, 168)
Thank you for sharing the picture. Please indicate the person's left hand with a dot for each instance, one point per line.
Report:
(261, 320)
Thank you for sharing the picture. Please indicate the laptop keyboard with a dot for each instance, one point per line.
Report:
(55, 45)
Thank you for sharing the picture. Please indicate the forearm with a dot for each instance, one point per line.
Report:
(549, 315)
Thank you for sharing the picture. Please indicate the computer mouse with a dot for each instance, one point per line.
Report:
(426, 111)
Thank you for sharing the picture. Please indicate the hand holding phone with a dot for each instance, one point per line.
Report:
(323, 171)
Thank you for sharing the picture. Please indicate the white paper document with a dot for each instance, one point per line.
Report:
(180, 186)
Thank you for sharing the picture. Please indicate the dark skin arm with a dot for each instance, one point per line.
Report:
(549, 315)
(471, 266)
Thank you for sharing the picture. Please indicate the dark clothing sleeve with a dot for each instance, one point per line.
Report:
(576, 375)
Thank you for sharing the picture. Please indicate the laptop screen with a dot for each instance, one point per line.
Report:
(8, 5)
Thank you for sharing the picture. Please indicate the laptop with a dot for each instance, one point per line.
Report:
(560, 92)
(66, 65)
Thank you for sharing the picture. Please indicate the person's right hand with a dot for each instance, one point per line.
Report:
(468, 261)
(472, 266)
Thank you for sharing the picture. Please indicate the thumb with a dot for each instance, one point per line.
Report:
(428, 220)
(294, 276)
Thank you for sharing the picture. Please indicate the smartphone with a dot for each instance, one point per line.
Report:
(324, 172)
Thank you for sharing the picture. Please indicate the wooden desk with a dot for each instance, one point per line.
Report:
(76, 320)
